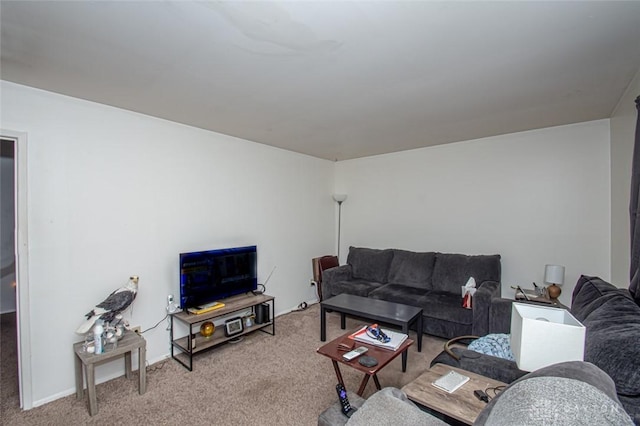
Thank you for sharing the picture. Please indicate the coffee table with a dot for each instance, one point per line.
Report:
(373, 309)
(461, 405)
(383, 356)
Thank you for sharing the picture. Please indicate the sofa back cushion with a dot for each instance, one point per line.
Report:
(370, 264)
(612, 320)
(412, 269)
(452, 271)
(590, 292)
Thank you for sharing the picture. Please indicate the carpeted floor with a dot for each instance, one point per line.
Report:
(262, 380)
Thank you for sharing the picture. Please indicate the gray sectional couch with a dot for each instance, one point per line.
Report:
(570, 393)
(429, 280)
(612, 319)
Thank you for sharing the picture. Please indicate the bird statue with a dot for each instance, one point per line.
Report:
(107, 310)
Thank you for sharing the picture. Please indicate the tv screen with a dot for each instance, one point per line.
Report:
(212, 275)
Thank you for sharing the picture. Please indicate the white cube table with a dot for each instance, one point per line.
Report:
(542, 335)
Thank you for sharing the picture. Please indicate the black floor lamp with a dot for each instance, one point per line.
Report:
(339, 198)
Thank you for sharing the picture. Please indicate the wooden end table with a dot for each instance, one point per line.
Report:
(383, 356)
(461, 405)
(129, 342)
(376, 310)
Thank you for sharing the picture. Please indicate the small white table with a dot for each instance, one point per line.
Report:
(129, 342)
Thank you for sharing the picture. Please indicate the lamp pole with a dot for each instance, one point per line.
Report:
(339, 223)
(339, 198)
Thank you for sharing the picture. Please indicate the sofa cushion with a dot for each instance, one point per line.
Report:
(452, 271)
(446, 306)
(398, 293)
(356, 287)
(613, 330)
(590, 292)
(370, 264)
(391, 406)
(553, 400)
(564, 412)
(411, 268)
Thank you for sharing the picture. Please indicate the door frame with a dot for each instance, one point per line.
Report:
(22, 266)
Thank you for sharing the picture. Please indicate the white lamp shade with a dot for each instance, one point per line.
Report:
(339, 197)
(542, 336)
(554, 274)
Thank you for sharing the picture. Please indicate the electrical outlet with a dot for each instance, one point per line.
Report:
(172, 307)
(136, 329)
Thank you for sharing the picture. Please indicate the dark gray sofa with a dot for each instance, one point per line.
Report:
(429, 280)
(612, 319)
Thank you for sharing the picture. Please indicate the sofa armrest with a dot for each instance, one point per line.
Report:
(485, 365)
(392, 406)
(486, 291)
(334, 275)
(573, 392)
(500, 315)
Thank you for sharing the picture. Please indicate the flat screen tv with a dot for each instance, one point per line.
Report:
(212, 275)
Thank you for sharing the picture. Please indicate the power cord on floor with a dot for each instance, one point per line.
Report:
(301, 307)
(157, 366)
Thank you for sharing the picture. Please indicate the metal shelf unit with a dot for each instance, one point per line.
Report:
(193, 342)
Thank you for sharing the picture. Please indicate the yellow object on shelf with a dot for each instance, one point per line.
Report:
(206, 308)
(207, 329)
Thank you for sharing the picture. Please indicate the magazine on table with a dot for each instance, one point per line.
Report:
(396, 337)
(451, 381)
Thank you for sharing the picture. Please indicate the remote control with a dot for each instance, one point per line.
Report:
(354, 353)
(347, 409)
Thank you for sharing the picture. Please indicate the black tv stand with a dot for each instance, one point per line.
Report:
(183, 348)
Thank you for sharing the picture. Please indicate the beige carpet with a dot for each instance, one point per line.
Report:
(263, 380)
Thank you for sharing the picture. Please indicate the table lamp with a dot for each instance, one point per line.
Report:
(554, 275)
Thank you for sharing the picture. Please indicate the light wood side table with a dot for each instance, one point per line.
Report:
(87, 362)
(461, 405)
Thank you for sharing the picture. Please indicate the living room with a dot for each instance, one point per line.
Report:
(113, 193)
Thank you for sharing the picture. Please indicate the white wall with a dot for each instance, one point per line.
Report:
(113, 193)
(534, 197)
(623, 127)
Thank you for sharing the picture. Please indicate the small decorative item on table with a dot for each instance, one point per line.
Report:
(207, 329)
(233, 326)
(88, 346)
(248, 320)
(467, 293)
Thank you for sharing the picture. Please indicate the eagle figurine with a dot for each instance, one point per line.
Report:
(107, 310)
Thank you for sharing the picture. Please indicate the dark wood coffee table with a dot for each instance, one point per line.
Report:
(383, 356)
(376, 310)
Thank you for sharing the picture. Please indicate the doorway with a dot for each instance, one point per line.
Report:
(8, 298)
(14, 268)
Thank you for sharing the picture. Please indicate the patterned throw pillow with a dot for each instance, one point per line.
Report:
(498, 345)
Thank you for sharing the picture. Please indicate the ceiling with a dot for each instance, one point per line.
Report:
(334, 80)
